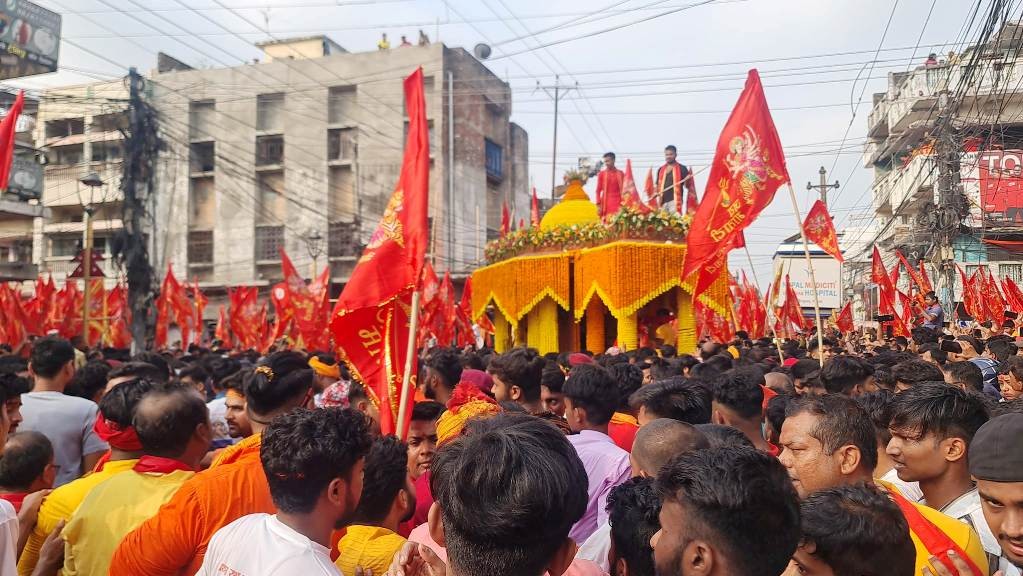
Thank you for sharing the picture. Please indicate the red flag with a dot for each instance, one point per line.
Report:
(463, 314)
(886, 291)
(534, 210)
(119, 318)
(820, 230)
(652, 199)
(748, 168)
(306, 304)
(371, 320)
(199, 303)
(630, 195)
(7, 132)
(792, 309)
(1013, 295)
(505, 219)
(927, 287)
(221, 333)
(993, 300)
(844, 321)
(444, 317)
(970, 297)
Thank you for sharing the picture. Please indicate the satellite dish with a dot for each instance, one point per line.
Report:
(482, 51)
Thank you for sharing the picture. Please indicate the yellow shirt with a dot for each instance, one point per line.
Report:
(60, 505)
(110, 511)
(371, 547)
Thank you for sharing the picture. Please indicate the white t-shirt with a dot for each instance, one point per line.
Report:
(8, 539)
(597, 547)
(67, 422)
(261, 545)
(911, 490)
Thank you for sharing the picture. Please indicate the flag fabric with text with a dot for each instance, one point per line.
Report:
(748, 168)
(8, 129)
(371, 320)
(820, 230)
(1013, 295)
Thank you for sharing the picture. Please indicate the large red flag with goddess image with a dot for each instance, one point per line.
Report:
(748, 168)
(370, 322)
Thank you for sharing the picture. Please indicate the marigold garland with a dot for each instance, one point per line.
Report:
(516, 286)
(626, 275)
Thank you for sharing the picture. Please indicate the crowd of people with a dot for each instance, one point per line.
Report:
(849, 455)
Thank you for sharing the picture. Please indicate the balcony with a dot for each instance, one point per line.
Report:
(914, 185)
(877, 121)
(61, 266)
(882, 190)
(917, 96)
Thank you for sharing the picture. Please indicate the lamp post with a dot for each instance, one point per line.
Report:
(91, 181)
(314, 244)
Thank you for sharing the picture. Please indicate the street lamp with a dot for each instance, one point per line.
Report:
(91, 181)
(314, 244)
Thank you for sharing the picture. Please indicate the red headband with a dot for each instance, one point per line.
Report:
(122, 438)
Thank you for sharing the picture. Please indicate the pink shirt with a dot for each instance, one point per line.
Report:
(606, 466)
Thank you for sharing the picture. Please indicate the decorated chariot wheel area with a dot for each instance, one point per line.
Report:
(576, 281)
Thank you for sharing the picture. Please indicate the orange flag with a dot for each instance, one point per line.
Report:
(630, 195)
(652, 199)
(371, 321)
(505, 219)
(820, 229)
(748, 168)
(534, 210)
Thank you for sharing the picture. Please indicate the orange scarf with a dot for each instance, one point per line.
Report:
(676, 183)
(233, 453)
(937, 542)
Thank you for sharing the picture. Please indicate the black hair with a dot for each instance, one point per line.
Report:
(427, 411)
(356, 393)
(812, 344)
(166, 418)
(14, 385)
(553, 377)
(878, 406)
(913, 372)
(721, 362)
(13, 364)
(924, 335)
(24, 459)
(937, 407)
(49, 356)
(940, 356)
(930, 293)
(661, 369)
(858, 529)
(633, 512)
(840, 422)
(687, 361)
(592, 388)
(88, 380)
(721, 436)
(803, 368)
(611, 154)
(288, 378)
(740, 501)
(968, 373)
(509, 490)
(672, 148)
(668, 351)
(842, 374)
(119, 404)
(629, 378)
(156, 360)
(196, 372)
(303, 451)
(1002, 349)
(384, 476)
(522, 367)
(775, 413)
(136, 369)
(739, 392)
(675, 398)
(220, 368)
(446, 363)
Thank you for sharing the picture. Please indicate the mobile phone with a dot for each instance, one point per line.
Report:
(1011, 315)
(977, 333)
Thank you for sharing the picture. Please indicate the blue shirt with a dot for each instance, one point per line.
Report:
(989, 369)
(939, 317)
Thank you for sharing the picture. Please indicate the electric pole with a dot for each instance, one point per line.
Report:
(559, 92)
(141, 147)
(944, 220)
(823, 187)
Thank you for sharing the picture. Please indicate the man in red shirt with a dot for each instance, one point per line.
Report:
(610, 182)
(671, 178)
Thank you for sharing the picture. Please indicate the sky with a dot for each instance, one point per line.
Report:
(644, 73)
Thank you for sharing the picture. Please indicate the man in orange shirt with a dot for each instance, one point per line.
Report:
(610, 182)
(174, 541)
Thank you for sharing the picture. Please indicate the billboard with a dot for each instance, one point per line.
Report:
(828, 272)
(993, 183)
(29, 39)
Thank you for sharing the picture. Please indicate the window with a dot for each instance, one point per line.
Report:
(1013, 271)
(64, 246)
(203, 157)
(201, 116)
(269, 241)
(65, 127)
(270, 112)
(343, 239)
(109, 122)
(106, 152)
(272, 207)
(202, 204)
(341, 144)
(269, 150)
(341, 104)
(341, 201)
(200, 247)
(495, 161)
(67, 155)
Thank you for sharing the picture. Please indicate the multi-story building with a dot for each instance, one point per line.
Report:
(299, 152)
(19, 205)
(79, 132)
(303, 151)
(981, 91)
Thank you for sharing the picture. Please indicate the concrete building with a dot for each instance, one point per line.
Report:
(980, 89)
(302, 152)
(78, 130)
(19, 205)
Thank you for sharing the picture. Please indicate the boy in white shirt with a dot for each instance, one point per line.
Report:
(313, 460)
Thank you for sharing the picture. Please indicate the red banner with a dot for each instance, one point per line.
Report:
(820, 230)
(844, 320)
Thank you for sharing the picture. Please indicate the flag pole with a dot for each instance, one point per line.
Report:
(813, 278)
(406, 378)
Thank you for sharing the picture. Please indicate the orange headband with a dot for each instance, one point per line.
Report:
(233, 393)
(324, 369)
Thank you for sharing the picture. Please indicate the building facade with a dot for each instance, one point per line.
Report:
(19, 204)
